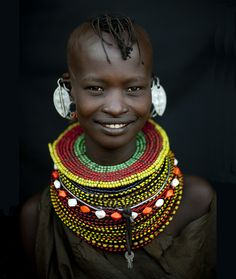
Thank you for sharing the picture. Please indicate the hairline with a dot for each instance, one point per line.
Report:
(85, 29)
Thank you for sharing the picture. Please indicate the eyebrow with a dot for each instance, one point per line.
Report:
(90, 78)
(96, 79)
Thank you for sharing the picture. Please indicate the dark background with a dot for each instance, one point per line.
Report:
(193, 50)
(194, 57)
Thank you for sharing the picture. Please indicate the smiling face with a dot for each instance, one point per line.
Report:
(113, 100)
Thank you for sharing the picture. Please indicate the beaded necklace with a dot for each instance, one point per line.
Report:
(116, 208)
(80, 151)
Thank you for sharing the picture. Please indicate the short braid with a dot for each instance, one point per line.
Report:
(122, 30)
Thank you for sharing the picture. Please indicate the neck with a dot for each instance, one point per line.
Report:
(109, 156)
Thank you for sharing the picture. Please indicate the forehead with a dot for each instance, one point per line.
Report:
(89, 57)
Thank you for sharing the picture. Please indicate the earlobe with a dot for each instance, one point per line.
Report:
(67, 80)
(66, 76)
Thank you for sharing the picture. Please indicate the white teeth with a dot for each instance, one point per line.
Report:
(115, 126)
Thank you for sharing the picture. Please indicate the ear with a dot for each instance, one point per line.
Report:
(153, 79)
(66, 76)
(67, 81)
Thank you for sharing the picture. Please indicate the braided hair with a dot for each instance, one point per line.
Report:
(122, 30)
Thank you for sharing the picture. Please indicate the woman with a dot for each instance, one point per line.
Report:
(118, 205)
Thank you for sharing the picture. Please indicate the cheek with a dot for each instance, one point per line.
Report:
(143, 106)
(85, 106)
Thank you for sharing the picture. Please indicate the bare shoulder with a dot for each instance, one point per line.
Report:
(196, 201)
(198, 194)
(28, 223)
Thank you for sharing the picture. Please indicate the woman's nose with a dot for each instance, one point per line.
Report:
(114, 103)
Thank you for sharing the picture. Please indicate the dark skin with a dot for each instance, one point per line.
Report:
(110, 93)
(115, 93)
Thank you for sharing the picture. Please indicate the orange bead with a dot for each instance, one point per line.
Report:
(177, 171)
(169, 193)
(147, 210)
(85, 209)
(116, 216)
(62, 193)
(55, 174)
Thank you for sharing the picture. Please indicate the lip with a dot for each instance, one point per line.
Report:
(114, 131)
(114, 121)
(115, 126)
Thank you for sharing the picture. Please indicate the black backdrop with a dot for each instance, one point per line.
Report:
(194, 57)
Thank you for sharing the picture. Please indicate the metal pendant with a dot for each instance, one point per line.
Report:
(159, 99)
(62, 100)
(129, 258)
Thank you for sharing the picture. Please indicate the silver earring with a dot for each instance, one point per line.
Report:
(63, 101)
(159, 98)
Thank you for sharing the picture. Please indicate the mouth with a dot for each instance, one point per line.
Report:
(115, 126)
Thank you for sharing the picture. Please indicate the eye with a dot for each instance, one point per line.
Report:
(134, 89)
(96, 90)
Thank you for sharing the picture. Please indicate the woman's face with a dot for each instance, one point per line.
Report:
(113, 100)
